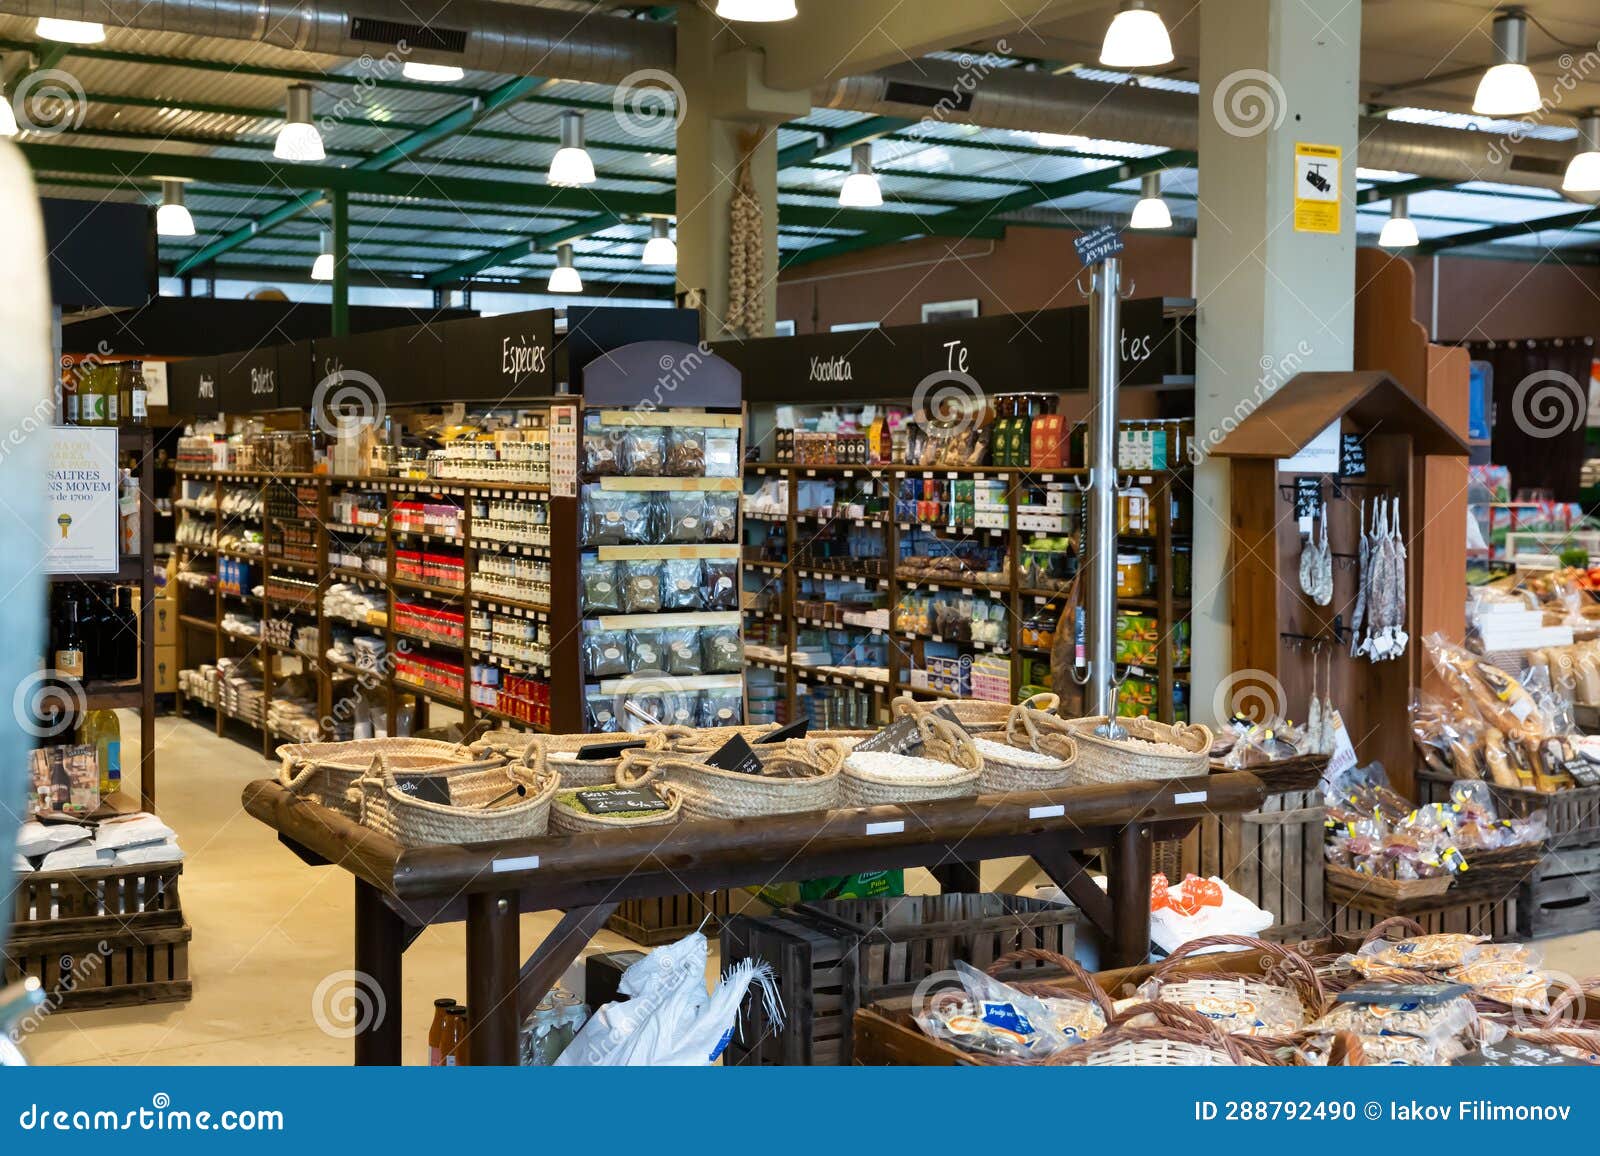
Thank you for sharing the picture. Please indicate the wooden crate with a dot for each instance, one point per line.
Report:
(111, 898)
(816, 981)
(1273, 857)
(1560, 897)
(668, 918)
(81, 970)
(1573, 815)
(1495, 918)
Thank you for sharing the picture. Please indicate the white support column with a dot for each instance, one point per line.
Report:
(1275, 296)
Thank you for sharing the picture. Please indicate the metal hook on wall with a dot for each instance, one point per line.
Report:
(1085, 482)
(1078, 281)
(1088, 675)
(1128, 292)
(1126, 483)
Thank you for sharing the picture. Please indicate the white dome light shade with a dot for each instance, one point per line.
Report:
(756, 11)
(172, 218)
(298, 140)
(1136, 38)
(70, 31)
(1583, 170)
(432, 73)
(8, 118)
(1151, 212)
(571, 166)
(564, 277)
(322, 267)
(1398, 231)
(861, 189)
(1508, 88)
(660, 250)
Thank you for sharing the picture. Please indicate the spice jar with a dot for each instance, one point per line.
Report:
(1133, 575)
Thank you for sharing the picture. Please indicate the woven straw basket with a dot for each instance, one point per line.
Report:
(414, 822)
(572, 817)
(1167, 1035)
(706, 740)
(1102, 760)
(948, 768)
(978, 715)
(554, 754)
(328, 773)
(1029, 730)
(797, 775)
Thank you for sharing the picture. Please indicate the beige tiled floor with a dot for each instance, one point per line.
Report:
(268, 930)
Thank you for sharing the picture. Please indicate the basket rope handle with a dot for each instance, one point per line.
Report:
(1091, 987)
(945, 742)
(1394, 922)
(1046, 701)
(827, 754)
(905, 706)
(626, 775)
(1307, 982)
(302, 770)
(1179, 1023)
(1042, 733)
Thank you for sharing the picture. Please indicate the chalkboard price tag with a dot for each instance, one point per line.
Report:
(736, 755)
(794, 730)
(611, 801)
(428, 788)
(1097, 244)
(1307, 497)
(1514, 1053)
(901, 737)
(1352, 456)
(1402, 994)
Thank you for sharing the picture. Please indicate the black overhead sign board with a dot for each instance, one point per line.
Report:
(192, 387)
(487, 359)
(247, 382)
(1043, 351)
(595, 330)
(295, 377)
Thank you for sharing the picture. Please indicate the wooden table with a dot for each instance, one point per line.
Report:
(400, 891)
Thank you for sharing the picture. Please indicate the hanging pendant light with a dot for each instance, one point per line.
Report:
(757, 11)
(861, 189)
(432, 73)
(298, 139)
(571, 166)
(1151, 212)
(322, 267)
(1398, 231)
(564, 277)
(172, 218)
(70, 31)
(1583, 170)
(660, 250)
(1136, 38)
(1508, 88)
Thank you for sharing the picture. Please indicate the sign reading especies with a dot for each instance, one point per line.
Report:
(82, 518)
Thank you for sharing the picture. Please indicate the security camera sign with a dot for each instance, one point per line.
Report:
(1316, 187)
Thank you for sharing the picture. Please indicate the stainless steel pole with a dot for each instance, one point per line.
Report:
(1105, 327)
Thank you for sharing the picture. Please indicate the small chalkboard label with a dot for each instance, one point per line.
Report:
(901, 737)
(736, 755)
(611, 801)
(1352, 456)
(1307, 497)
(1097, 244)
(794, 730)
(1514, 1053)
(595, 751)
(1405, 995)
(428, 788)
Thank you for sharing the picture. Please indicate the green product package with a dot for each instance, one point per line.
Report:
(861, 885)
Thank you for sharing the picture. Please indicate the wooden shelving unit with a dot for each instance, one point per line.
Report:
(907, 651)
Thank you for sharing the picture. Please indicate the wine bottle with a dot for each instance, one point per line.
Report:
(69, 642)
(127, 616)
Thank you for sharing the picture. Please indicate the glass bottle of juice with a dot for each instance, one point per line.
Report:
(101, 730)
(436, 1030)
(455, 1049)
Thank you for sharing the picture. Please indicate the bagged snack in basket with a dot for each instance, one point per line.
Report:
(680, 585)
(598, 585)
(1436, 1022)
(992, 1018)
(1241, 1006)
(681, 647)
(721, 708)
(603, 517)
(1425, 952)
(641, 519)
(722, 650)
(1506, 973)
(686, 452)
(1397, 1051)
(640, 584)
(644, 452)
(602, 714)
(721, 517)
(605, 653)
(644, 651)
(600, 454)
(720, 581)
(683, 514)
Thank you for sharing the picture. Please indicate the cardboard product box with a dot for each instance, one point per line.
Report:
(991, 519)
(166, 672)
(164, 614)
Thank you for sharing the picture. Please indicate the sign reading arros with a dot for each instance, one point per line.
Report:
(522, 356)
(207, 387)
(831, 368)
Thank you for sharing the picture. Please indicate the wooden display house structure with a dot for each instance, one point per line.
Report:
(1385, 438)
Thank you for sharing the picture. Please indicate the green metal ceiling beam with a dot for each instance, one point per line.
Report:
(1561, 221)
(967, 222)
(1391, 189)
(508, 254)
(832, 140)
(595, 285)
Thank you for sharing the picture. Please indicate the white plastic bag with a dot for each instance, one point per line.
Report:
(669, 1019)
(1237, 916)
